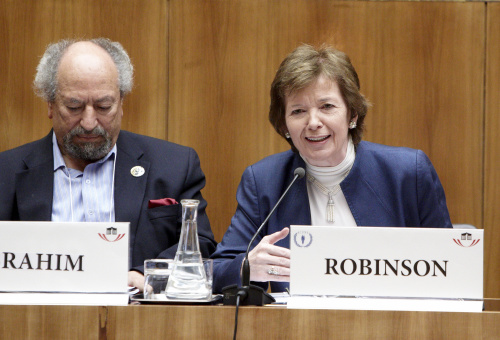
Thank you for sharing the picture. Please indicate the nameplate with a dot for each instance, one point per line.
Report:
(437, 265)
(64, 263)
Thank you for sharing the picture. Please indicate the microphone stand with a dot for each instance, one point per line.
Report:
(248, 294)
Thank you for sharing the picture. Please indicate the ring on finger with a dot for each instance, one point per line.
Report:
(273, 271)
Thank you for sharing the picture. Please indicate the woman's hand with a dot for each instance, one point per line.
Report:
(136, 279)
(269, 262)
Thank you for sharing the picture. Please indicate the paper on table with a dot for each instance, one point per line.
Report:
(281, 298)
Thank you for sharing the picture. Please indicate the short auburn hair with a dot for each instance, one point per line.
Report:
(305, 65)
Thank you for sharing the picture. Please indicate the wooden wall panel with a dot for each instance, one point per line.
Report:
(421, 64)
(492, 154)
(27, 27)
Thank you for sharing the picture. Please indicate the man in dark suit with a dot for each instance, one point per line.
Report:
(87, 169)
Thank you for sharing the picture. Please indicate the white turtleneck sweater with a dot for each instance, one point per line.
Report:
(329, 177)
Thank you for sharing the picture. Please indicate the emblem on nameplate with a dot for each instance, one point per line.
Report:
(302, 239)
(110, 232)
(466, 240)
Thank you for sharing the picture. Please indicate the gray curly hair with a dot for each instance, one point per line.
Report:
(45, 83)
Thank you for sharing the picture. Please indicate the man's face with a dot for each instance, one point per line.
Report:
(87, 111)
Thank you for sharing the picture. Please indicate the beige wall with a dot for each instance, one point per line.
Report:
(203, 71)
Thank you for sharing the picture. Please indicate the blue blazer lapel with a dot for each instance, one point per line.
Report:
(299, 199)
(35, 185)
(129, 189)
(367, 206)
(294, 209)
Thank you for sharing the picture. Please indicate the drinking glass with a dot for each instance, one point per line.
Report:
(156, 274)
(208, 265)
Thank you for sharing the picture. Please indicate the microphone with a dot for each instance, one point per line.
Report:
(251, 295)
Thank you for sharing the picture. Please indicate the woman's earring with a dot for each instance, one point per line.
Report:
(287, 135)
(352, 124)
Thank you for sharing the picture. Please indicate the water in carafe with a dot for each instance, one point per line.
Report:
(188, 278)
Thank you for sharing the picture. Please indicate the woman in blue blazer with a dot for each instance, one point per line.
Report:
(317, 107)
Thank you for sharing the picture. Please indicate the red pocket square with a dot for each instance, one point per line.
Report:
(161, 202)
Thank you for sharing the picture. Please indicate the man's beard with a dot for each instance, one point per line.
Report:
(91, 151)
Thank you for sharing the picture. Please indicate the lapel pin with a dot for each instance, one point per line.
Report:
(137, 171)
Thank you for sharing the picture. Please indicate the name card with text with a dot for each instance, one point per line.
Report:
(386, 268)
(64, 263)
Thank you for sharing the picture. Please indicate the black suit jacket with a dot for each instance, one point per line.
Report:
(171, 170)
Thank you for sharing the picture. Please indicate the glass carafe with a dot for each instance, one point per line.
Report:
(188, 278)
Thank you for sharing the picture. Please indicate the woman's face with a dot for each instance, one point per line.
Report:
(317, 120)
